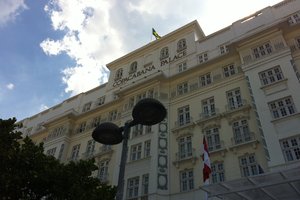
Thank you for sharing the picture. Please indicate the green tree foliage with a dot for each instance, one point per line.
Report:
(27, 173)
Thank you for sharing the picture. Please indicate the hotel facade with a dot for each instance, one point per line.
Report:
(239, 87)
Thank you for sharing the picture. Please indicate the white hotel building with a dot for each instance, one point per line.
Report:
(239, 87)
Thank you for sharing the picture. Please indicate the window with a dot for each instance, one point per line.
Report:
(75, 152)
(271, 75)
(147, 148)
(203, 58)
(164, 53)
(61, 151)
(213, 139)
(51, 152)
(291, 148)
(185, 147)
(182, 67)
(96, 122)
(182, 88)
(133, 187)
(208, 107)
(136, 152)
(241, 131)
(103, 171)
(145, 184)
(186, 180)
(119, 74)
(205, 79)
(141, 96)
(133, 67)
(184, 115)
(248, 165)
(90, 147)
(282, 107)
(100, 101)
(181, 45)
(148, 129)
(81, 127)
(262, 50)
(112, 115)
(86, 107)
(137, 130)
(150, 93)
(229, 70)
(224, 49)
(217, 174)
(294, 19)
(234, 99)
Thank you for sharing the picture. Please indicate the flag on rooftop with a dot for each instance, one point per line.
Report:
(155, 34)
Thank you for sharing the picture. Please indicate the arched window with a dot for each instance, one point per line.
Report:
(133, 67)
(164, 53)
(181, 45)
(119, 74)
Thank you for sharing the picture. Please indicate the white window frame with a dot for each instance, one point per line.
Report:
(147, 148)
(248, 165)
(182, 66)
(119, 74)
(82, 127)
(103, 171)
(137, 130)
(133, 67)
(181, 45)
(234, 99)
(182, 88)
(87, 107)
(184, 115)
(205, 79)
(224, 49)
(203, 57)
(75, 152)
(291, 148)
(96, 121)
(145, 184)
(262, 50)
(271, 75)
(90, 147)
(229, 70)
(61, 151)
(208, 107)
(164, 53)
(186, 180)
(100, 101)
(282, 107)
(213, 139)
(133, 187)
(294, 19)
(136, 152)
(112, 115)
(185, 147)
(241, 132)
(217, 172)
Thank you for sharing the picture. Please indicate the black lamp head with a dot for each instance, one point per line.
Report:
(149, 112)
(107, 133)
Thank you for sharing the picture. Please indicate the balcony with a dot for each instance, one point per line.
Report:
(105, 149)
(214, 147)
(87, 155)
(206, 116)
(243, 139)
(181, 124)
(104, 178)
(185, 157)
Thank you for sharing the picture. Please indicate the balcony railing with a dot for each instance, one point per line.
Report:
(210, 114)
(243, 138)
(236, 105)
(215, 146)
(181, 123)
(185, 156)
(103, 150)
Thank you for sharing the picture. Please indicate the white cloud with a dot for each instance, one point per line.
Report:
(9, 9)
(99, 31)
(10, 86)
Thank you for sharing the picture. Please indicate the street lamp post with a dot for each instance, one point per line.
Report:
(146, 112)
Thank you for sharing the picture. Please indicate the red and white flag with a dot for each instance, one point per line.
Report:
(206, 165)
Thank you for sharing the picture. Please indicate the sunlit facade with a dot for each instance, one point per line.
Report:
(238, 87)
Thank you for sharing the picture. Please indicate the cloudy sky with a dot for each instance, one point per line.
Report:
(51, 50)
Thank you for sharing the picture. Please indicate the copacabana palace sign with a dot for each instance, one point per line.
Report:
(134, 75)
(147, 69)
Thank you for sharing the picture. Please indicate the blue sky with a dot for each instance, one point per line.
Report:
(51, 50)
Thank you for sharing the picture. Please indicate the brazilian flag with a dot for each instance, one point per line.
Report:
(155, 34)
